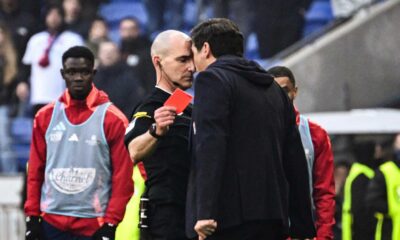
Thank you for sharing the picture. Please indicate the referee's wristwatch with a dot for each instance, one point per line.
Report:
(152, 131)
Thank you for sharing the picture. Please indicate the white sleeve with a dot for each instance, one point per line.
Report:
(28, 56)
(75, 40)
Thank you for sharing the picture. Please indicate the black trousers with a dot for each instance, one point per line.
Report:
(256, 230)
(166, 222)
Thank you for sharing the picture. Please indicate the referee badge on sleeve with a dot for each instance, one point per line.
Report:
(135, 117)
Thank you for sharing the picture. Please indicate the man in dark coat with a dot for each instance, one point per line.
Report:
(249, 173)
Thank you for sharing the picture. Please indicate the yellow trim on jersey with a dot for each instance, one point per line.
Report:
(141, 114)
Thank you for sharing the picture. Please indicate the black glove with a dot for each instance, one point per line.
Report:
(105, 232)
(33, 228)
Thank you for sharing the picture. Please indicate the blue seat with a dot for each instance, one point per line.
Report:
(22, 153)
(189, 15)
(318, 16)
(21, 130)
(116, 1)
(113, 33)
(320, 11)
(115, 11)
(21, 133)
(251, 47)
(312, 27)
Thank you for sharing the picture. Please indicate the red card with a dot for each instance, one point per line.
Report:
(179, 99)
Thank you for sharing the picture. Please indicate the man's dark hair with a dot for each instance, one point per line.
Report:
(365, 152)
(343, 163)
(51, 7)
(46, 11)
(78, 52)
(222, 35)
(99, 18)
(130, 18)
(281, 71)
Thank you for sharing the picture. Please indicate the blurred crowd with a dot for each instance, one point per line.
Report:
(32, 40)
(34, 36)
(367, 189)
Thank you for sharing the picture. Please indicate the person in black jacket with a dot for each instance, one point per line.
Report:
(362, 223)
(377, 195)
(278, 24)
(117, 79)
(249, 174)
(135, 48)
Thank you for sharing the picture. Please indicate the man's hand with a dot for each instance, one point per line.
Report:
(205, 228)
(33, 228)
(164, 117)
(22, 91)
(105, 232)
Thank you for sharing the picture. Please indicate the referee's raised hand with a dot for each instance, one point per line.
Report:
(164, 117)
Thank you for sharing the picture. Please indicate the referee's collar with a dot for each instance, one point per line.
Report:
(164, 90)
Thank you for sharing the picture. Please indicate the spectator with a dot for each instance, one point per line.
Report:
(8, 74)
(43, 55)
(341, 172)
(79, 176)
(383, 196)
(249, 174)
(164, 14)
(73, 18)
(358, 222)
(135, 48)
(21, 24)
(33, 8)
(98, 33)
(318, 150)
(90, 8)
(239, 11)
(396, 148)
(279, 24)
(118, 80)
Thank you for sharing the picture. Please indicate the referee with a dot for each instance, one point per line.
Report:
(159, 137)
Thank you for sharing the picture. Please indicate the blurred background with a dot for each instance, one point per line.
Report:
(344, 54)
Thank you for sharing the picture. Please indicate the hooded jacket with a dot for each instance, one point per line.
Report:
(114, 128)
(248, 163)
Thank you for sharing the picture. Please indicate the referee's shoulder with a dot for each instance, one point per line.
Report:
(146, 108)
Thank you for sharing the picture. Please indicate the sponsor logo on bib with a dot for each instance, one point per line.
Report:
(93, 141)
(72, 180)
(56, 136)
